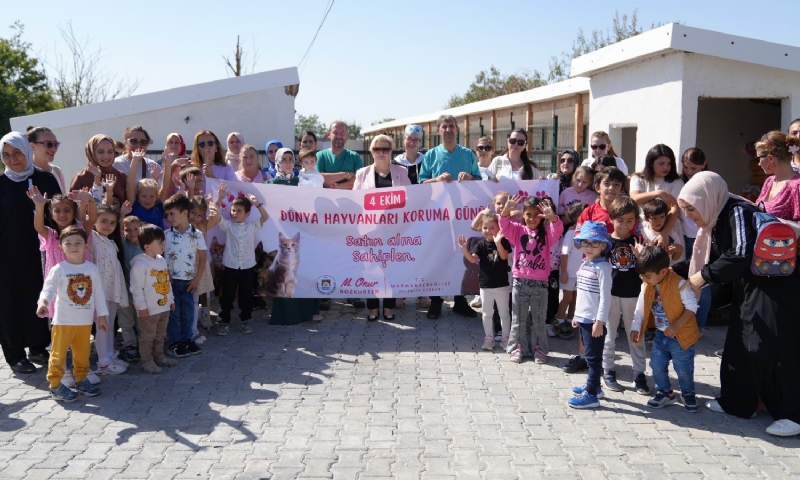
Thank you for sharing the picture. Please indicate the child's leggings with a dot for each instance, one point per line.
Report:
(104, 341)
(529, 308)
(488, 298)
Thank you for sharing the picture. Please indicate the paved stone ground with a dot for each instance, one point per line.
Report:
(345, 399)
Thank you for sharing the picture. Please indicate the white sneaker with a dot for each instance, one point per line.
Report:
(714, 406)
(551, 330)
(784, 428)
(93, 378)
(199, 339)
(120, 361)
(113, 368)
(476, 302)
(68, 380)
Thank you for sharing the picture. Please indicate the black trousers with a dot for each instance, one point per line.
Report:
(458, 300)
(231, 280)
(375, 303)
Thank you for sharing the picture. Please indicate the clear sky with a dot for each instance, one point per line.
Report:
(373, 59)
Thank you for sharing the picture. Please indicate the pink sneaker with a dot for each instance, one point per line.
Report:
(516, 355)
(539, 356)
(488, 342)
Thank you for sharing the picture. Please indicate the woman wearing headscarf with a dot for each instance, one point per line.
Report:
(235, 143)
(21, 277)
(100, 155)
(290, 311)
(272, 160)
(761, 359)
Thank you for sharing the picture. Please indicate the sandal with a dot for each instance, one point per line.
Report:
(372, 318)
(389, 317)
(151, 368)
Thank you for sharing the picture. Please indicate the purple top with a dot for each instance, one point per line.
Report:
(224, 172)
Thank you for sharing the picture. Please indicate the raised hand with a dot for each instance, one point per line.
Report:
(138, 155)
(462, 241)
(92, 168)
(253, 199)
(109, 181)
(547, 210)
(190, 181)
(36, 196)
(498, 237)
(83, 195)
(125, 209)
(222, 191)
(155, 172)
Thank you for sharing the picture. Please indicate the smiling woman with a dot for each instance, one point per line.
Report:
(100, 163)
(21, 277)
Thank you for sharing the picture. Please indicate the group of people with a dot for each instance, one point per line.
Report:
(124, 247)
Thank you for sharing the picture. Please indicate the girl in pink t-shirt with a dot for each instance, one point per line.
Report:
(580, 192)
(531, 242)
(64, 212)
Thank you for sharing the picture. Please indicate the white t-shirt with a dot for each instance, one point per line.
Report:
(620, 164)
(122, 164)
(575, 254)
(240, 251)
(502, 170)
(674, 188)
(78, 292)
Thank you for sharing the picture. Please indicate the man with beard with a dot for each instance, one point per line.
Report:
(338, 167)
(447, 162)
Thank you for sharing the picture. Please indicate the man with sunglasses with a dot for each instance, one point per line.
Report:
(136, 138)
(447, 162)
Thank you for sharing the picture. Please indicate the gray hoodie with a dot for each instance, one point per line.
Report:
(413, 168)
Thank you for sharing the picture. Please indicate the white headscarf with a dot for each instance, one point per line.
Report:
(279, 171)
(18, 141)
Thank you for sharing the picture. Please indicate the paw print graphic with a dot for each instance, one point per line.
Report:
(541, 194)
(523, 194)
(242, 195)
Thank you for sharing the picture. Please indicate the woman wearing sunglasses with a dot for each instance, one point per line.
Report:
(601, 145)
(137, 138)
(207, 156)
(44, 144)
(485, 152)
(513, 163)
(381, 174)
(567, 163)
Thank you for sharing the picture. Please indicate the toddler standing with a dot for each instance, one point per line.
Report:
(531, 267)
(491, 254)
(591, 309)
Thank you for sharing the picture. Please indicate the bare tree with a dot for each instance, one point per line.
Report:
(239, 56)
(80, 79)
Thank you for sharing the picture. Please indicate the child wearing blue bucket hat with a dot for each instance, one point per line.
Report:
(591, 309)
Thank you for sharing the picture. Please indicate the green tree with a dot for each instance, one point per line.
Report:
(354, 130)
(309, 123)
(23, 84)
(494, 84)
(385, 120)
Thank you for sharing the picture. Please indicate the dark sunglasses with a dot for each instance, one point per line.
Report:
(602, 146)
(49, 144)
(210, 144)
(516, 141)
(134, 141)
(382, 150)
(482, 148)
(565, 160)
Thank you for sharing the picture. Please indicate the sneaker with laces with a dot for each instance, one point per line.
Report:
(610, 381)
(498, 336)
(178, 350)
(86, 388)
(662, 399)
(641, 385)
(222, 329)
(92, 376)
(690, 402)
(578, 391)
(476, 302)
(584, 401)
(516, 355)
(575, 364)
(113, 368)
(63, 394)
(199, 339)
(192, 348)
(68, 380)
(247, 327)
(488, 343)
(130, 354)
(539, 356)
(119, 361)
(551, 330)
(563, 329)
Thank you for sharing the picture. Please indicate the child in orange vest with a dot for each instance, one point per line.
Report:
(667, 305)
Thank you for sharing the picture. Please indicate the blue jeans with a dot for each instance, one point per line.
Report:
(664, 350)
(179, 328)
(593, 353)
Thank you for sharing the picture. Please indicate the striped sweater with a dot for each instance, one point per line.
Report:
(593, 291)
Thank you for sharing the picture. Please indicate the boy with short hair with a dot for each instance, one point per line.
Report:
(625, 288)
(185, 249)
(152, 296)
(126, 316)
(309, 176)
(608, 183)
(655, 212)
(239, 259)
(78, 291)
(665, 303)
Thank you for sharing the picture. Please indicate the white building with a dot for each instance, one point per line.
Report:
(259, 106)
(677, 85)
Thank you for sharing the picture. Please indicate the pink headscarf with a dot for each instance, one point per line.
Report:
(708, 193)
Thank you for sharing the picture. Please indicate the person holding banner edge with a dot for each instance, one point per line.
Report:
(381, 174)
(442, 164)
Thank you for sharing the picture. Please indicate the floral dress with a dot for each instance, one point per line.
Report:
(105, 257)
